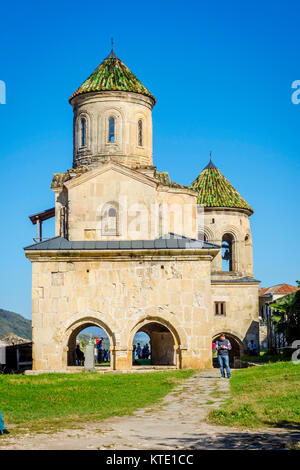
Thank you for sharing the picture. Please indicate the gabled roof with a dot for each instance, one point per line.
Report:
(112, 75)
(214, 190)
(170, 241)
(278, 289)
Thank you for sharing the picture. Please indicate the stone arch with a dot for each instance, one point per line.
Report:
(236, 343)
(232, 230)
(208, 234)
(68, 339)
(155, 325)
(235, 236)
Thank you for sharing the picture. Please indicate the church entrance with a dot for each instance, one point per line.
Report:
(79, 340)
(153, 345)
(234, 352)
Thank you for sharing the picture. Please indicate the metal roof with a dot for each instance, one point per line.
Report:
(233, 281)
(165, 242)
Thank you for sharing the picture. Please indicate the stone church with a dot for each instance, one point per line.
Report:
(134, 251)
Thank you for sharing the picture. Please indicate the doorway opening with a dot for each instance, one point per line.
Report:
(156, 346)
(81, 337)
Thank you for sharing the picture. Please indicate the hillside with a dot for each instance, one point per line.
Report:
(11, 322)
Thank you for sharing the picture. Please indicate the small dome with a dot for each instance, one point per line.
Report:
(214, 190)
(112, 75)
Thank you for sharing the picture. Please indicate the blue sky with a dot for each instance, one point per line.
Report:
(222, 75)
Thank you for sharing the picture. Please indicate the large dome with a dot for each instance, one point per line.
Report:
(112, 75)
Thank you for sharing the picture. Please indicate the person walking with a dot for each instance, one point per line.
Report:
(223, 346)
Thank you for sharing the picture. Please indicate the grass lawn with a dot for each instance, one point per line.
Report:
(50, 401)
(267, 395)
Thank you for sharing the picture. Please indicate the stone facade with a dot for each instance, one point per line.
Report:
(241, 319)
(114, 193)
(121, 293)
(218, 222)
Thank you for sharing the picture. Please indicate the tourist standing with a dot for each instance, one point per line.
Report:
(252, 347)
(139, 351)
(133, 352)
(223, 347)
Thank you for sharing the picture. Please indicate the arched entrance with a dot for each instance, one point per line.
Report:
(80, 334)
(161, 345)
(236, 350)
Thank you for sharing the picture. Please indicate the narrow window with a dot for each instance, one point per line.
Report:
(220, 308)
(227, 258)
(111, 130)
(109, 221)
(140, 130)
(112, 220)
(83, 132)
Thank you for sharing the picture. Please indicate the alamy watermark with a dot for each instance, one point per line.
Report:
(2, 92)
(296, 94)
(148, 221)
(296, 353)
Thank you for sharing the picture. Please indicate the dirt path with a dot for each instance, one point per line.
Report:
(177, 423)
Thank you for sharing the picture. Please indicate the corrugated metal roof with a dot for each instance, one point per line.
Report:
(173, 242)
(233, 281)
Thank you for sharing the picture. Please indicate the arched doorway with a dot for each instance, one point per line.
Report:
(236, 350)
(227, 252)
(78, 339)
(161, 344)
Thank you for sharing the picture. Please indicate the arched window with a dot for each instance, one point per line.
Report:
(83, 132)
(140, 133)
(109, 221)
(201, 235)
(227, 258)
(111, 130)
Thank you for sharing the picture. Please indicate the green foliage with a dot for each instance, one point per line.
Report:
(287, 315)
(11, 322)
(267, 395)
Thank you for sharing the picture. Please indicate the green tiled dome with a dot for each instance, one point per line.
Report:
(112, 75)
(214, 190)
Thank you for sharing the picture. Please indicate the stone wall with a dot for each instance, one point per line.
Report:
(241, 319)
(121, 292)
(139, 200)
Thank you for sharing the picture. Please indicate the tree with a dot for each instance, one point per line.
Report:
(286, 315)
